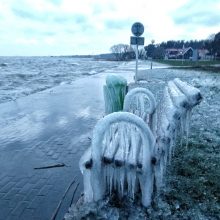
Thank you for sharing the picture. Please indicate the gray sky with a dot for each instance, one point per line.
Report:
(66, 27)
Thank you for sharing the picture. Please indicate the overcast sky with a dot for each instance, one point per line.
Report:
(66, 27)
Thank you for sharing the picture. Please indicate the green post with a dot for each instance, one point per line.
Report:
(114, 93)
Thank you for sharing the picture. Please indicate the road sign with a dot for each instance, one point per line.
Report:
(137, 40)
(137, 29)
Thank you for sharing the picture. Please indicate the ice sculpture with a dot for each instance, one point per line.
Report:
(119, 159)
(141, 102)
(114, 93)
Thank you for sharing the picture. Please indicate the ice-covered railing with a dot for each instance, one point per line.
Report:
(173, 116)
(119, 160)
(124, 158)
(141, 102)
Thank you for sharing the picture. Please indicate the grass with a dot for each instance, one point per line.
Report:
(189, 62)
(210, 66)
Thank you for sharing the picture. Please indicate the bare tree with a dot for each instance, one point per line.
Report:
(121, 51)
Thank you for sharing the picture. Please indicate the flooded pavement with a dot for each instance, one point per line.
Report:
(45, 129)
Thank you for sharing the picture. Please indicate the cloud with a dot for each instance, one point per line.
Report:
(198, 12)
(199, 18)
(56, 2)
(93, 26)
(25, 14)
(67, 18)
(118, 24)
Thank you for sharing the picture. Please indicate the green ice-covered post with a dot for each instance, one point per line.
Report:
(137, 30)
(114, 93)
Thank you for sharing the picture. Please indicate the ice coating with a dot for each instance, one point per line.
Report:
(129, 168)
(127, 157)
(193, 94)
(173, 113)
(179, 99)
(114, 93)
(84, 165)
(141, 102)
(115, 80)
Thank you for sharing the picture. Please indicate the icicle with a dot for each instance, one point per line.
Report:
(188, 119)
(134, 150)
(112, 146)
(121, 181)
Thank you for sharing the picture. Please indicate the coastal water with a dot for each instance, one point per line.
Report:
(22, 76)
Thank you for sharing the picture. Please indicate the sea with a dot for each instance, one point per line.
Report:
(22, 76)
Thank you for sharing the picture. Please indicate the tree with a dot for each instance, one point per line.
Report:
(159, 53)
(150, 49)
(122, 51)
(216, 44)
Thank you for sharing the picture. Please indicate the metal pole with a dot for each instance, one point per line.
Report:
(136, 63)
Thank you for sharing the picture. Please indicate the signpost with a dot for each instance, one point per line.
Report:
(137, 30)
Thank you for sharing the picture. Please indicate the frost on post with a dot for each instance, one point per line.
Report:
(114, 93)
(141, 102)
(119, 160)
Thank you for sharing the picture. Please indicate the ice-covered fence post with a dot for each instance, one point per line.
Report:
(119, 160)
(114, 93)
(141, 102)
(173, 116)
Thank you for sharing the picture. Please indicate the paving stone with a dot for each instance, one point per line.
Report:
(2, 195)
(33, 179)
(19, 208)
(39, 184)
(11, 193)
(27, 214)
(26, 188)
(7, 187)
(44, 191)
(4, 212)
(4, 203)
(15, 200)
(21, 182)
(31, 195)
(36, 202)
(5, 180)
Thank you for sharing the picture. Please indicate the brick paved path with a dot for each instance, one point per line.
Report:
(40, 130)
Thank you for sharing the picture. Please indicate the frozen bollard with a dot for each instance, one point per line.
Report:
(114, 93)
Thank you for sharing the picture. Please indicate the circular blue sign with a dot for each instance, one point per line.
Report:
(137, 29)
